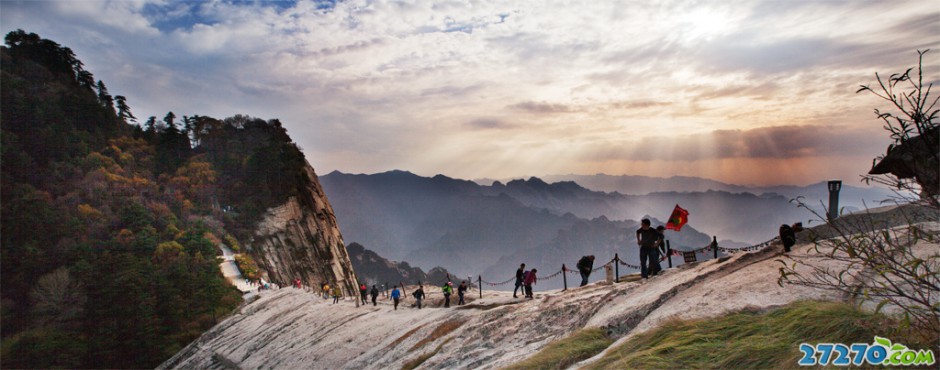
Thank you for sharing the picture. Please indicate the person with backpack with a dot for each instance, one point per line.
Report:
(585, 266)
(336, 295)
(657, 251)
(363, 291)
(461, 290)
(419, 295)
(787, 237)
(326, 290)
(447, 289)
(648, 240)
(375, 294)
(530, 279)
(396, 295)
(519, 277)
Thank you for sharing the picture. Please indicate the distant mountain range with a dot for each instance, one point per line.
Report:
(373, 269)
(472, 229)
(851, 197)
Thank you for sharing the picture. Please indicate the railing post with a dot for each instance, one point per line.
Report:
(669, 253)
(564, 276)
(616, 267)
(715, 245)
(403, 292)
(480, 283)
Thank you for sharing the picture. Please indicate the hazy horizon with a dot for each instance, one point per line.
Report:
(750, 92)
(849, 182)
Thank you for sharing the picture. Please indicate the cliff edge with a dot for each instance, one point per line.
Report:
(301, 240)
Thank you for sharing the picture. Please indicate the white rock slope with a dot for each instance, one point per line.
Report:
(289, 329)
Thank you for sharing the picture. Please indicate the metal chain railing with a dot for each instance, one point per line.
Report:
(616, 260)
(500, 283)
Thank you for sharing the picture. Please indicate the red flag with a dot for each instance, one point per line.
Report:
(678, 218)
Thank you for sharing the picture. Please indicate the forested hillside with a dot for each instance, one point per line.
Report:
(110, 228)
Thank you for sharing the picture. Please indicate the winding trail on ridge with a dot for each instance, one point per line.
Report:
(289, 328)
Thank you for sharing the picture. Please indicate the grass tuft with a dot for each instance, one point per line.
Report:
(751, 339)
(561, 353)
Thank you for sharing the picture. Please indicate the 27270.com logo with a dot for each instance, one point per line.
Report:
(881, 352)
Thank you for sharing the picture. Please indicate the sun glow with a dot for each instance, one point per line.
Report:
(704, 24)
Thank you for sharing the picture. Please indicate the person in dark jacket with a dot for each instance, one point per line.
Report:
(396, 295)
(519, 277)
(461, 290)
(648, 240)
(655, 267)
(787, 237)
(419, 295)
(585, 265)
(375, 294)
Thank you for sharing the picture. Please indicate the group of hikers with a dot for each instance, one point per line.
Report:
(419, 295)
(525, 280)
(651, 242)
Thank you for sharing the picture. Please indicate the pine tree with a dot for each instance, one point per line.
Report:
(124, 111)
(104, 98)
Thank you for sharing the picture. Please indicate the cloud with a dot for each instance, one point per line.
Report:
(541, 107)
(776, 142)
(489, 124)
(371, 85)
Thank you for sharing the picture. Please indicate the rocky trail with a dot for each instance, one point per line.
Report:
(292, 328)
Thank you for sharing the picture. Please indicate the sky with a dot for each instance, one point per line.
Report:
(745, 92)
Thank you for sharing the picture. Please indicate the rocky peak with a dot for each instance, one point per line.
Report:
(301, 240)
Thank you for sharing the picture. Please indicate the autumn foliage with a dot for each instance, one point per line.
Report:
(110, 230)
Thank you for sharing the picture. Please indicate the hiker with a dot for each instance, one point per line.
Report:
(336, 295)
(648, 239)
(396, 294)
(530, 279)
(655, 267)
(326, 291)
(447, 289)
(787, 237)
(363, 290)
(375, 294)
(461, 290)
(585, 265)
(419, 295)
(519, 274)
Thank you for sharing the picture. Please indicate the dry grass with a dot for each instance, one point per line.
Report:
(440, 331)
(562, 353)
(750, 339)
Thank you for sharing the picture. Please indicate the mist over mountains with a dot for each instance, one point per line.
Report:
(851, 197)
(471, 229)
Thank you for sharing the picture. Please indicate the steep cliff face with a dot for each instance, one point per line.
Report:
(301, 240)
